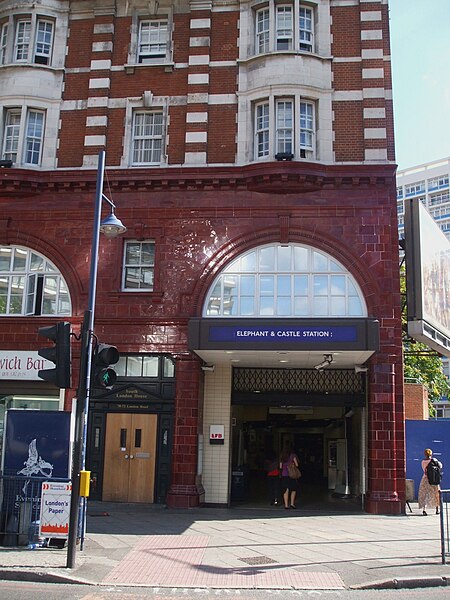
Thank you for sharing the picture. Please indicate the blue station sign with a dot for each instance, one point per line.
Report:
(289, 334)
(308, 335)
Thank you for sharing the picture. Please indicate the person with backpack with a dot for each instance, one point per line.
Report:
(429, 485)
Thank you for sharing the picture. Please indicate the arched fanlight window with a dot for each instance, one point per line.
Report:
(285, 281)
(30, 284)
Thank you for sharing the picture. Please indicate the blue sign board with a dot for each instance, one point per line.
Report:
(37, 443)
(36, 447)
(301, 335)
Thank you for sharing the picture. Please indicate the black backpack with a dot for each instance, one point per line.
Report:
(434, 472)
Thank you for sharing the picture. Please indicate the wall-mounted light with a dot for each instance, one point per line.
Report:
(327, 360)
(209, 368)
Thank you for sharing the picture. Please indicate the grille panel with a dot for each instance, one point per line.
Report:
(330, 381)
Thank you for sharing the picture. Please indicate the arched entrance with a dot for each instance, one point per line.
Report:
(284, 339)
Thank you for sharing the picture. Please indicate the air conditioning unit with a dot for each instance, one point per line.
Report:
(284, 156)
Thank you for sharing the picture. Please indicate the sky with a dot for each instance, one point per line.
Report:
(420, 54)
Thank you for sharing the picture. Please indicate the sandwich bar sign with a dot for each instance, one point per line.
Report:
(55, 509)
(19, 364)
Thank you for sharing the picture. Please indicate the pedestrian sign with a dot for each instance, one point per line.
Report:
(55, 509)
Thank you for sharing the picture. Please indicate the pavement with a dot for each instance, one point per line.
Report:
(242, 548)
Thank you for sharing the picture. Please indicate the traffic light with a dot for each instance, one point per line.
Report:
(103, 375)
(60, 354)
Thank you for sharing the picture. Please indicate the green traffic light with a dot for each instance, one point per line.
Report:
(106, 378)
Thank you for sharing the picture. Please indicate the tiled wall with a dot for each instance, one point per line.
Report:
(217, 412)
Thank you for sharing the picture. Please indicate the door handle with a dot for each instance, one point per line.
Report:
(126, 456)
(131, 456)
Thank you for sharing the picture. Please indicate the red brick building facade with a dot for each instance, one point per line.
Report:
(250, 153)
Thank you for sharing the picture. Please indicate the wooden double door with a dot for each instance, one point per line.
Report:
(130, 457)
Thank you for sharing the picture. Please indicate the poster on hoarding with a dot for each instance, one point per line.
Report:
(37, 443)
(55, 509)
(37, 447)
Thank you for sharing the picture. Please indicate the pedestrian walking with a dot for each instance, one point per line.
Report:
(289, 480)
(429, 484)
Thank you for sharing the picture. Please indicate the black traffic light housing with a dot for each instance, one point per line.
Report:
(103, 375)
(59, 353)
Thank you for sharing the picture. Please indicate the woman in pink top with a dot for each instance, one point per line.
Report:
(289, 487)
(428, 494)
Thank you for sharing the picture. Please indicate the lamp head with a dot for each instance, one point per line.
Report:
(327, 360)
(111, 226)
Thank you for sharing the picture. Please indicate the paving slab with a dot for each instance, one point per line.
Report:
(242, 549)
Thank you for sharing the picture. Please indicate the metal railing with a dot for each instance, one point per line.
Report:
(444, 497)
(20, 507)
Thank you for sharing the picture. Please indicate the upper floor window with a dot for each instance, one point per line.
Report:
(139, 266)
(415, 188)
(147, 137)
(26, 39)
(306, 29)
(285, 281)
(285, 128)
(30, 284)
(3, 42)
(438, 182)
(23, 134)
(400, 192)
(153, 42)
(284, 26)
(145, 365)
(439, 198)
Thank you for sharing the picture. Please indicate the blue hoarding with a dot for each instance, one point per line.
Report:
(434, 434)
(37, 447)
(37, 443)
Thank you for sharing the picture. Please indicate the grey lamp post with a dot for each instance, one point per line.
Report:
(111, 227)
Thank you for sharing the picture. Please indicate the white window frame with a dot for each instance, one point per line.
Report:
(32, 297)
(140, 265)
(284, 126)
(306, 29)
(143, 142)
(414, 188)
(262, 129)
(437, 182)
(3, 42)
(34, 137)
(44, 41)
(27, 39)
(19, 139)
(278, 281)
(439, 198)
(271, 135)
(284, 27)
(262, 30)
(307, 130)
(275, 32)
(32, 39)
(11, 134)
(22, 39)
(156, 49)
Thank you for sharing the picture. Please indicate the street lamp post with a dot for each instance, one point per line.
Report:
(111, 227)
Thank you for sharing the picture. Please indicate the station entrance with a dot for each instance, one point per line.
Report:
(326, 424)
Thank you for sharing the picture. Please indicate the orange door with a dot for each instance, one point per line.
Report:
(129, 467)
